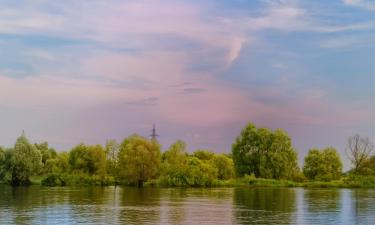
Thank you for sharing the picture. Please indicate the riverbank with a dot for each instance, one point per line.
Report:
(247, 181)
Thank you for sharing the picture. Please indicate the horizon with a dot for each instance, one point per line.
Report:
(73, 72)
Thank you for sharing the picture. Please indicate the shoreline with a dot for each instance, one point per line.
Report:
(250, 182)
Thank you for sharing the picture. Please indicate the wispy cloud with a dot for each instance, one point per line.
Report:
(364, 4)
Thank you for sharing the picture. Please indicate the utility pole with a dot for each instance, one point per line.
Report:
(153, 133)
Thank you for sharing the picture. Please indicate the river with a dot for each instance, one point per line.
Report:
(125, 205)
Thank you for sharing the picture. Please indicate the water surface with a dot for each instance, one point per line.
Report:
(124, 205)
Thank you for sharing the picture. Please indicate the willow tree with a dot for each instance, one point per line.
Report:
(139, 160)
(224, 165)
(324, 165)
(90, 159)
(264, 153)
(25, 161)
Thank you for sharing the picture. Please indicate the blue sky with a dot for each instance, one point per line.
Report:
(86, 71)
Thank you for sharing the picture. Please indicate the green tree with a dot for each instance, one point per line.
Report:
(264, 153)
(203, 154)
(368, 167)
(224, 166)
(358, 151)
(176, 154)
(112, 150)
(26, 160)
(48, 154)
(2, 164)
(88, 159)
(324, 165)
(200, 172)
(46, 151)
(174, 165)
(139, 159)
(57, 165)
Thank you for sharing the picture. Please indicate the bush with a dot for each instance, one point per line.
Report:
(77, 179)
(53, 180)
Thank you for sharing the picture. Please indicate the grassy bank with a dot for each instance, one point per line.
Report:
(247, 181)
(250, 181)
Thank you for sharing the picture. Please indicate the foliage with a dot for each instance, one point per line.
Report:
(112, 150)
(139, 159)
(358, 151)
(59, 164)
(203, 154)
(264, 153)
(323, 165)
(202, 168)
(46, 152)
(3, 168)
(88, 159)
(224, 166)
(260, 157)
(25, 161)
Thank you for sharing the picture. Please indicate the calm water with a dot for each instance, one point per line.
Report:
(110, 205)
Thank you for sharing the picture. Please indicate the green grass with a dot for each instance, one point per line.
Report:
(36, 180)
(349, 181)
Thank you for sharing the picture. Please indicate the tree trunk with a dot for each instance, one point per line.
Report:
(140, 183)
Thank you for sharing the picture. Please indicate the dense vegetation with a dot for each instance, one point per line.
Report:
(259, 157)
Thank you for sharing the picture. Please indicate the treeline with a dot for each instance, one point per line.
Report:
(132, 162)
(257, 153)
(269, 154)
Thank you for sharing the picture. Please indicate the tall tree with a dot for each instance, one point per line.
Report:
(46, 151)
(26, 160)
(224, 165)
(88, 159)
(358, 151)
(139, 159)
(112, 150)
(324, 165)
(264, 153)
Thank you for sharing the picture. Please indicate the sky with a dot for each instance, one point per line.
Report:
(86, 71)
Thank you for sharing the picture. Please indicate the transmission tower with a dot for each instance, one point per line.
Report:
(153, 133)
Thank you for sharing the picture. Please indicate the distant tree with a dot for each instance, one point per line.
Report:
(112, 150)
(139, 159)
(26, 160)
(2, 163)
(88, 159)
(224, 165)
(358, 151)
(264, 153)
(368, 168)
(175, 155)
(48, 154)
(200, 172)
(174, 165)
(78, 158)
(203, 154)
(46, 151)
(62, 162)
(324, 165)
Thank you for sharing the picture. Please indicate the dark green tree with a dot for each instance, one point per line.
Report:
(264, 153)
(139, 160)
(88, 159)
(323, 165)
(224, 166)
(25, 161)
